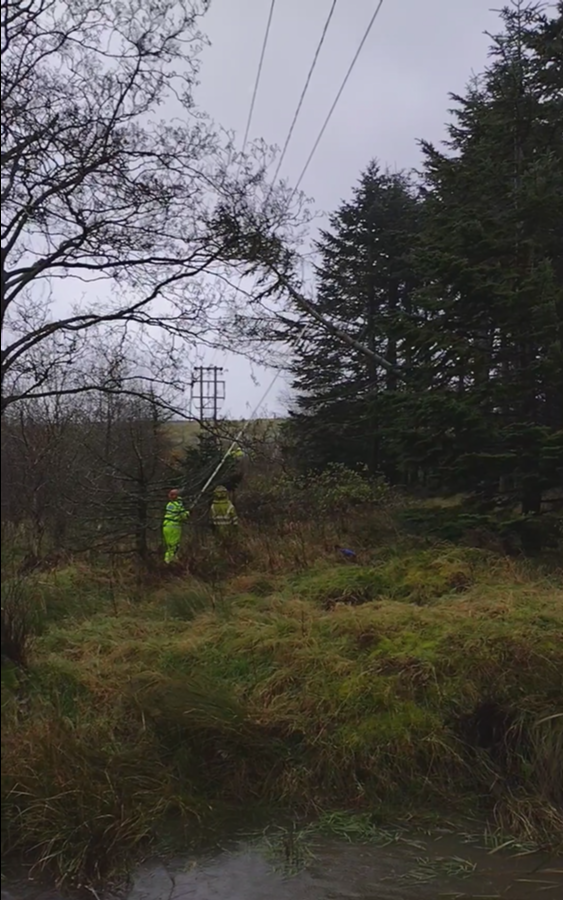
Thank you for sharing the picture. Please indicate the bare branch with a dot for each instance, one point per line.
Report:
(309, 309)
(99, 192)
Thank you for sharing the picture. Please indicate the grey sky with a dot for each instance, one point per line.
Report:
(417, 53)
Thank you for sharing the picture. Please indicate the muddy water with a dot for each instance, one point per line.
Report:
(438, 868)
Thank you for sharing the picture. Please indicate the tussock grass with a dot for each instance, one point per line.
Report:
(433, 676)
(79, 798)
(419, 577)
(186, 601)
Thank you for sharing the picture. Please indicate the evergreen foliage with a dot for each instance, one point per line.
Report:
(461, 285)
(366, 283)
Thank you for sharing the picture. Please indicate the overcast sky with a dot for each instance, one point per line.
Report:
(417, 53)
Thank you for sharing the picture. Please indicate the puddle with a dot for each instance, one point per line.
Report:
(285, 868)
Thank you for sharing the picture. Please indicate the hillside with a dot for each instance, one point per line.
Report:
(183, 434)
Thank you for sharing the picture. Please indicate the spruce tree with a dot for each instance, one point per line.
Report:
(491, 259)
(365, 284)
(474, 316)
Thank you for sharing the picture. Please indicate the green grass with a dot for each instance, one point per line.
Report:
(424, 679)
(417, 577)
(427, 869)
(186, 601)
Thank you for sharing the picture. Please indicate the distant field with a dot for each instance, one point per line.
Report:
(185, 434)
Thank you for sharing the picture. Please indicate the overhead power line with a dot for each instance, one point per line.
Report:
(258, 74)
(240, 433)
(339, 94)
(256, 86)
(305, 88)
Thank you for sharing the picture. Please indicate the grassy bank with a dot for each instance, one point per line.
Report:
(423, 677)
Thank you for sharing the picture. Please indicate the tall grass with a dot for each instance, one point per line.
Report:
(79, 798)
(421, 675)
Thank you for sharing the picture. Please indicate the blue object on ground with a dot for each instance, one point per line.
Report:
(349, 554)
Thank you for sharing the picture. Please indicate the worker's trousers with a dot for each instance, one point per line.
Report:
(172, 535)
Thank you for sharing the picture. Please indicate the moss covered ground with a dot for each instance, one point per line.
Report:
(423, 677)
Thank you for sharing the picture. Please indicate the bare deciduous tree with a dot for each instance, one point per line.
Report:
(124, 477)
(40, 456)
(85, 473)
(279, 308)
(110, 181)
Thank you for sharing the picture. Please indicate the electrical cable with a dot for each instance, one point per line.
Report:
(256, 86)
(192, 485)
(337, 98)
(239, 434)
(234, 443)
(305, 89)
(335, 102)
(298, 110)
(237, 438)
(258, 74)
(301, 99)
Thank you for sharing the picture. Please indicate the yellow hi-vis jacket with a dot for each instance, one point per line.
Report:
(223, 512)
(175, 513)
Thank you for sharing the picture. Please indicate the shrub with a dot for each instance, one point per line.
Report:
(529, 535)
(323, 496)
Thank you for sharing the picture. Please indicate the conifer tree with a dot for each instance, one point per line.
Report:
(460, 286)
(491, 261)
(365, 285)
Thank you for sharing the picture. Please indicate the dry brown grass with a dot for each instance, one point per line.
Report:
(297, 680)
